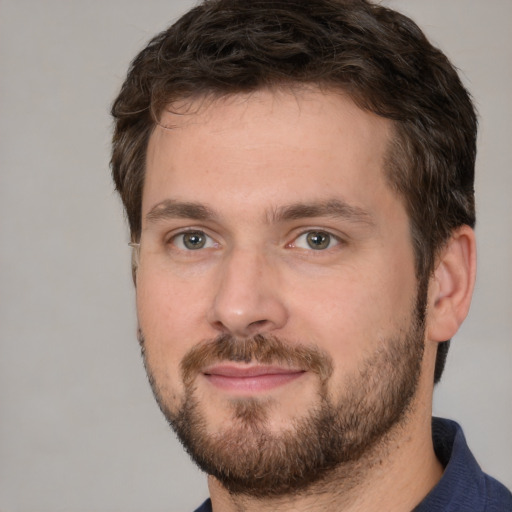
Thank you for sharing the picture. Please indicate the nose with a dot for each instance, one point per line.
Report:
(248, 299)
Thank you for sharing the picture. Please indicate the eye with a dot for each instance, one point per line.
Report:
(192, 241)
(316, 240)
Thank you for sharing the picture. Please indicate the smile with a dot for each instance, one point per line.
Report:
(250, 379)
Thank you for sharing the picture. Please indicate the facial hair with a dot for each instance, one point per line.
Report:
(248, 459)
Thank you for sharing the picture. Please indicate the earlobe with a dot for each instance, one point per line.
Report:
(451, 286)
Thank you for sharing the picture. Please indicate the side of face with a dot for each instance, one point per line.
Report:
(269, 214)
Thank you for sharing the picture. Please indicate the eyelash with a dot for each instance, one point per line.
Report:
(192, 231)
(333, 240)
(210, 242)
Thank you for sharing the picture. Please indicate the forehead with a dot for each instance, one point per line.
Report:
(306, 144)
(297, 109)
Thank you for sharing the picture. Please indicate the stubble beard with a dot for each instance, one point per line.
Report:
(248, 459)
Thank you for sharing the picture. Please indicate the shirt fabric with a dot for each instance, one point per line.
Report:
(464, 487)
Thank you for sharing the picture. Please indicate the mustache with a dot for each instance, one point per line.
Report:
(261, 348)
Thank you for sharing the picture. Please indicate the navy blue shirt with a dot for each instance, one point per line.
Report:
(464, 487)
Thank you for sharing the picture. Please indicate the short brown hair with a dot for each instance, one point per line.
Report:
(377, 56)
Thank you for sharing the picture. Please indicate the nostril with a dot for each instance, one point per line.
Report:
(257, 326)
(258, 323)
(220, 326)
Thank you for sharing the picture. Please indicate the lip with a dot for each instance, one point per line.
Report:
(250, 379)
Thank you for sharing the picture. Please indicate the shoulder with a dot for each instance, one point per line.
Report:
(464, 487)
(205, 507)
(499, 498)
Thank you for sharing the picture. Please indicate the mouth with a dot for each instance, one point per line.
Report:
(243, 379)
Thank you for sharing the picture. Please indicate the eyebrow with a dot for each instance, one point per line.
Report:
(170, 209)
(332, 208)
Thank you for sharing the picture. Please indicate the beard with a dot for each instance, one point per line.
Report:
(247, 458)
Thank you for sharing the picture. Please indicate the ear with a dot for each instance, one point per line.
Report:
(451, 286)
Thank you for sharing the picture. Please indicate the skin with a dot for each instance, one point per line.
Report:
(246, 158)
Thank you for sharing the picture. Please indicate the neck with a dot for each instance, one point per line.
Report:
(395, 475)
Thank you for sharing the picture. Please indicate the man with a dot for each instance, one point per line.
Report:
(298, 179)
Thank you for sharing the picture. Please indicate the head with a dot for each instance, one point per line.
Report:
(377, 56)
(288, 74)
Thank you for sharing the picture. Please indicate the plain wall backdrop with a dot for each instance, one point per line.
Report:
(79, 429)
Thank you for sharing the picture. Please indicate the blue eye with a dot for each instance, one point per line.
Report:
(192, 241)
(316, 240)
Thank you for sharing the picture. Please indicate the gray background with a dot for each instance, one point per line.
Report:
(78, 427)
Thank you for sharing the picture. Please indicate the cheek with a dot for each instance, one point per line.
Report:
(167, 315)
(169, 307)
(351, 313)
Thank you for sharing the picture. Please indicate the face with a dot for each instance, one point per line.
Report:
(276, 291)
